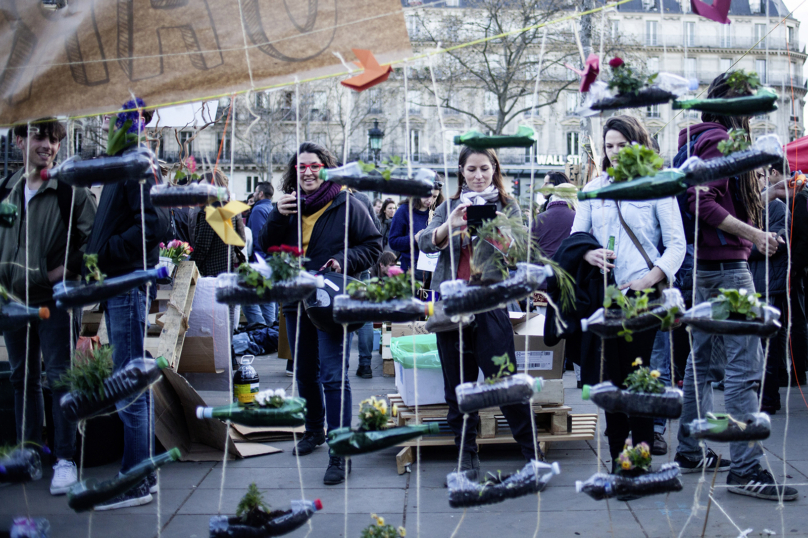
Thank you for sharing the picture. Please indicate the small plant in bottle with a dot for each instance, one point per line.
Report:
(634, 461)
(643, 379)
(380, 529)
(89, 371)
(380, 290)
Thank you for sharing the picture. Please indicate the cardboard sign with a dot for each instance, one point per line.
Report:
(427, 262)
(89, 57)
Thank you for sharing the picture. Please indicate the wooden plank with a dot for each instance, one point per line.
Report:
(404, 459)
(388, 368)
(175, 319)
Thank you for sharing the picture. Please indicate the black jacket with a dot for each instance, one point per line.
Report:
(778, 264)
(327, 237)
(117, 235)
(799, 247)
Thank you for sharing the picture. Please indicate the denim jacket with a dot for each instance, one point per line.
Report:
(650, 220)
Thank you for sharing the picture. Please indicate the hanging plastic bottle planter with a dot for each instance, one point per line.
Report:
(347, 310)
(439, 321)
(607, 486)
(532, 478)
(14, 315)
(765, 150)
(723, 428)
(508, 390)
(627, 89)
(460, 298)
(130, 380)
(352, 175)
(271, 408)
(621, 319)
(75, 294)
(667, 404)
(8, 214)
(763, 102)
(734, 312)
(89, 493)
(137, 164)
(196, 194)
(524, 137)
(261, 524)
(20, 465)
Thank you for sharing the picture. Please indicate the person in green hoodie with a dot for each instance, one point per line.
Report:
(32, 260)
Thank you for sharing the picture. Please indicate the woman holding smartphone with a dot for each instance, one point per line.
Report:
(491, 334)
(652, 222)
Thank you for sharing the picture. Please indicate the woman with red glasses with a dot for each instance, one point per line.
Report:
(320, 369)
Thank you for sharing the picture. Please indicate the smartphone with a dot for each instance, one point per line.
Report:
(477, 214)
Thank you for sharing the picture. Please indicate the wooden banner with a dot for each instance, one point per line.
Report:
(91, 56)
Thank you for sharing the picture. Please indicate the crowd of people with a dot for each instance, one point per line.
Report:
(636, 245)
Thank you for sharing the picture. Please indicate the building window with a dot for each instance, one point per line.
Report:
(186, 146)
(648, 5)
(535, 152)
(78, 137)
(415, 145)
(260, 100)
(690, 68)
(319, 110)
(760, 34)
(572, 143)
(414, 102)
(491, 105)
(249, 184)
(726, 39)
(725, 64)
(225, 148)
(756, 6)
(652, 111)
(451, 105)
(791, 37)
(653, 65)
(760, 67)
(615, 29)
(572, 102)
(690, 34)
(651, 33)
(374, 101)
(686, 6)
(452, 3)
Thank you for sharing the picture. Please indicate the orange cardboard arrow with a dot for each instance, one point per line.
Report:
(372, 75)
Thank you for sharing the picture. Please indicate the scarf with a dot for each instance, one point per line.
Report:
(314, 202)
(489, 196)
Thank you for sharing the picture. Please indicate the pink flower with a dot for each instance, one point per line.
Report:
(190, 164)
(162, 245)
(174, 243)
(393, 271)
(616, 62)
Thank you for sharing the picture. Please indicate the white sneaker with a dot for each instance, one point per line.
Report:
(64, 476)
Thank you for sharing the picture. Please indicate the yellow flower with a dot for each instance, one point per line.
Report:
(380, 521)
(395, 412)
(655, 373)
(626, 465)
(382, 407)
(374, 516)
(637, 362)
(402, 531)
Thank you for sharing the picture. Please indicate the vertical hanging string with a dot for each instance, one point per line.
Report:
(70, 311)
(28, 326)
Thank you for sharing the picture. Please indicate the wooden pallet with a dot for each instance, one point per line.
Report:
(553, 424)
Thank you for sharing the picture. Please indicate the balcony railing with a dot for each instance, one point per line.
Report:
(712, 40)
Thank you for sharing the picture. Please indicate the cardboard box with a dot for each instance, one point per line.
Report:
(408, 329)
(543, 361)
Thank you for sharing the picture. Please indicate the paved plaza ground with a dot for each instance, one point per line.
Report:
(190, 491)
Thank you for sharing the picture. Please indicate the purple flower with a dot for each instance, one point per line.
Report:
(138, 123)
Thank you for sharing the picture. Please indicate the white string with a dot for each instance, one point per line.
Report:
(28, 326)
(246, 48)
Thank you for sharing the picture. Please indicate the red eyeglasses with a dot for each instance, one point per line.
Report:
(314, 167)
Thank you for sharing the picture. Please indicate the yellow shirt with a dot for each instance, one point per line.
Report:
(307, 225)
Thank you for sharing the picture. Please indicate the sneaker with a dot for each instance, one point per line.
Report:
(151, 480)
(718, 385)
(335, 473)
(686, 465)
(310, 441)
(469, 465)
(134, 497)
(760, 484)
(289, 373)
(64, 476)
(364, 372)
(660, 447)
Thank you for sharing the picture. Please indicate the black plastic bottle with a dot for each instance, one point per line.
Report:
(137, 164)
(22, 465)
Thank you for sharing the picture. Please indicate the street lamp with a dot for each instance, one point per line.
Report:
(375, 136)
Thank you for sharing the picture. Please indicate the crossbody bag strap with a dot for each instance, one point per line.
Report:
(634, 238)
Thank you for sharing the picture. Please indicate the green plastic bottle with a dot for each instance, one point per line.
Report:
(8, 214)
(764, 101)
(291, 413)
(664, 184)
(524, 138)
(346, 442)
(88, 493)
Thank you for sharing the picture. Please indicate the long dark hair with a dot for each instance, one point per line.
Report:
(289, 181)
(386, 203)
(416, 200)
(631, 129)
(749, 192)
(465, 153)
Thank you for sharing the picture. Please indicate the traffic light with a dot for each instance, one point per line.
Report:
(517, 187)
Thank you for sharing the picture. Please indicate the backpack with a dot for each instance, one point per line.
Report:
(64, 197)
(688, 218)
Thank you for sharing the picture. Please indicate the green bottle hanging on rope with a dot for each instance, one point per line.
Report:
(665, 183)
(88, 493)
(8, 214)
(292, 412)
(346, 442)
(524, 138)
(763, 102)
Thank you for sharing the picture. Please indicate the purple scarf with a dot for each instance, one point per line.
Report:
(314, 202)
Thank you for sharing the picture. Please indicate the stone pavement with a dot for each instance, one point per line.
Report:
(190, 491)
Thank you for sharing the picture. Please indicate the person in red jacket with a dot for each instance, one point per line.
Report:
(730, 213)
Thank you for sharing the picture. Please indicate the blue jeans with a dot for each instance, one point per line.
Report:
(365, 334)
(744, 364)
(661, 361)
(320, 372)
(270, 313)
(51, 337)
(263, 313)
(125, 315)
